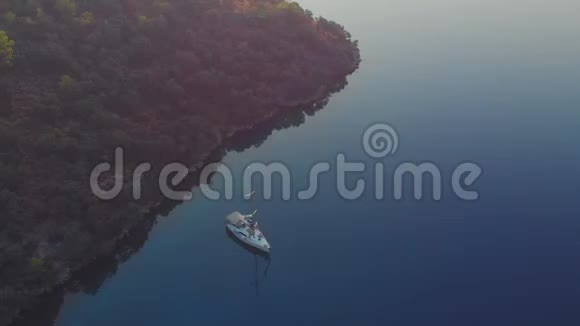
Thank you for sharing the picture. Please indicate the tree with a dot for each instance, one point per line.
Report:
(86, 18)
(142, 20)
(9, 17)
(36, 262)
(161, 5)
(66, 82)
(6, 49)
(67, 7)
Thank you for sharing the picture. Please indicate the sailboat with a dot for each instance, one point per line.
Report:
(245, 228)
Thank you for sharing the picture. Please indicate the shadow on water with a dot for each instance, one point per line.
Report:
(91, 278)
(258, 279)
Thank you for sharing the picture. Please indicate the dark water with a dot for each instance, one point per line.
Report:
(493, 82)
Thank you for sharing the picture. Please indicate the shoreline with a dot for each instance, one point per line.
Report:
(149, 212)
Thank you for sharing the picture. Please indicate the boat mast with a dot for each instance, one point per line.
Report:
(253, 215)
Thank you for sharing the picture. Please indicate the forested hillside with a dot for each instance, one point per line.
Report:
(167, 80)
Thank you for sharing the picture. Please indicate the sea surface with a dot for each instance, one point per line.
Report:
(492, 82)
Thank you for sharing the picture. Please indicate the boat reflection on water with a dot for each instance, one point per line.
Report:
(258, 255)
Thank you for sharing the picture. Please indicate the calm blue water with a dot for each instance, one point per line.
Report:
(493, 82)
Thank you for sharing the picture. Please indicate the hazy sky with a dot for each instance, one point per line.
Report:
(526, 42)
(541, 29)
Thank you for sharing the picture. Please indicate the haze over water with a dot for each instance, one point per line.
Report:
(492, 82)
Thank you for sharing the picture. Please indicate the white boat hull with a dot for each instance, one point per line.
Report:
(257, 240)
